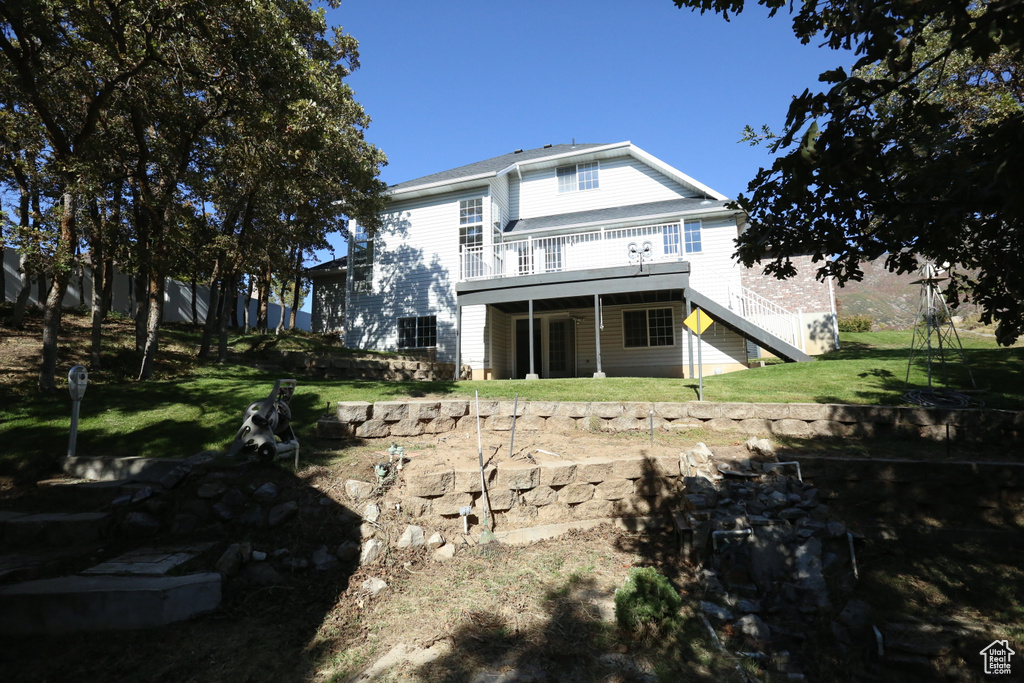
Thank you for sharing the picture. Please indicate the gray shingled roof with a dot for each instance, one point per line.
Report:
(613, 214)
(336, 264)
(493, 165)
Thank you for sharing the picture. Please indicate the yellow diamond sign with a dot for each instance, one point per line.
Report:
(698, 321)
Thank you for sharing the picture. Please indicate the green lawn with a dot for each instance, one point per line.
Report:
(176, 417)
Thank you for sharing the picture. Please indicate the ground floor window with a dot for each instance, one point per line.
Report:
(417, 333)
(649, 327)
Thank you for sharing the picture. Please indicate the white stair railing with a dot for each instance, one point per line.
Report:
(725, 289)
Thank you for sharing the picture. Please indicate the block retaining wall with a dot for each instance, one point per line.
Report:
(524, 494)
(384, 369)
(386, 419)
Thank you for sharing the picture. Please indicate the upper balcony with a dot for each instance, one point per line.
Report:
(603, 248)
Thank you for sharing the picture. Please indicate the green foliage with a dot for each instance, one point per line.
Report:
(647, 602)
(855, 323)
(912, 154)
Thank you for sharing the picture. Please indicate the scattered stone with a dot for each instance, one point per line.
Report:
(258, 556)
(748, 606)
(762, 447)
(267, 493)
(295, 564)
(201, 458)
(444, 553)
(792, 514)
(140, 523)
(371, 551)
(701, 452)
(252, 516)
(412, 537)
(260, 574)
(367, 530)
(231, 561)
(142, 494)
(754, 628)
(435, 541)
(358, 490)
(715, 612)
(347, 551)
(175, 476)
(323, 560)
(856, 615)
(835, 529)
(211, 489)
(324, 502)
(233, 498)
(371, 513)
(373, 586)
(223, 512)
(283, 511)
(183, 524)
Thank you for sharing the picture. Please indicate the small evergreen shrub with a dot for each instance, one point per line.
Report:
(855, 323)
(647, 602)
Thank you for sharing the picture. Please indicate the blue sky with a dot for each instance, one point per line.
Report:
(451, 82)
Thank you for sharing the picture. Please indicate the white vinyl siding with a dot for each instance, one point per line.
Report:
(415, 268)
(622, 181)
(500, 359)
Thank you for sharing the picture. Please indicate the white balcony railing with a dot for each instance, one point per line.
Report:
(620, 247)
(579, 251)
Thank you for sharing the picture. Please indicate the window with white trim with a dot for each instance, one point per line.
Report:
(362, 261)
(417, 333)
(691, 237)
(648, 327)
(578, 177)
(471, 236)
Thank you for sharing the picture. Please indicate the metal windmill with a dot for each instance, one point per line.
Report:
(935, 335)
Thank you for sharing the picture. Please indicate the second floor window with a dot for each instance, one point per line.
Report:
(691, 237)
(471, 236)
(362, 261)
(578, 177)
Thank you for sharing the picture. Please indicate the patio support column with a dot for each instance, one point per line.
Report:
(597, 335)
(689, 337)
(458, 342)
(533, 372)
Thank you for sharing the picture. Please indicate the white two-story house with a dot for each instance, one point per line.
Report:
(577, 260)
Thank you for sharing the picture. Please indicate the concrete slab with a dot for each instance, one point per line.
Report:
(74, 604)
(146, 561)
(103, 468)
(82, 492)
(541, 533)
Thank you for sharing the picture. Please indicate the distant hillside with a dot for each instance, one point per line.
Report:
(889, 299)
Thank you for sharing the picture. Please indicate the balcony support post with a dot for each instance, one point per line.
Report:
(533, 372)
(458, 342)
(597, 335)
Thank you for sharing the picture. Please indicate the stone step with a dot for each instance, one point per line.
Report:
(84, 493)
(28, 565)
(73, 604)
(24, 529)
(104, 468)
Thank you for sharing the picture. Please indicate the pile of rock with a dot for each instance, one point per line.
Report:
(773, 565)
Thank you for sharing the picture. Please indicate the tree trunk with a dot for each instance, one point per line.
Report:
(212, 303)
(96, 254)
(55, 297)
(222, 338)
(21, 303)
(141, 312)
(262, 314)
(156, 312)
(18, 318)
(296, 300)
(235, 283)
(108, 285)
(280, 321)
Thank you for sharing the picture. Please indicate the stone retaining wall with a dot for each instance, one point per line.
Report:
(384, 369)
(524, 493)
(385, 419)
